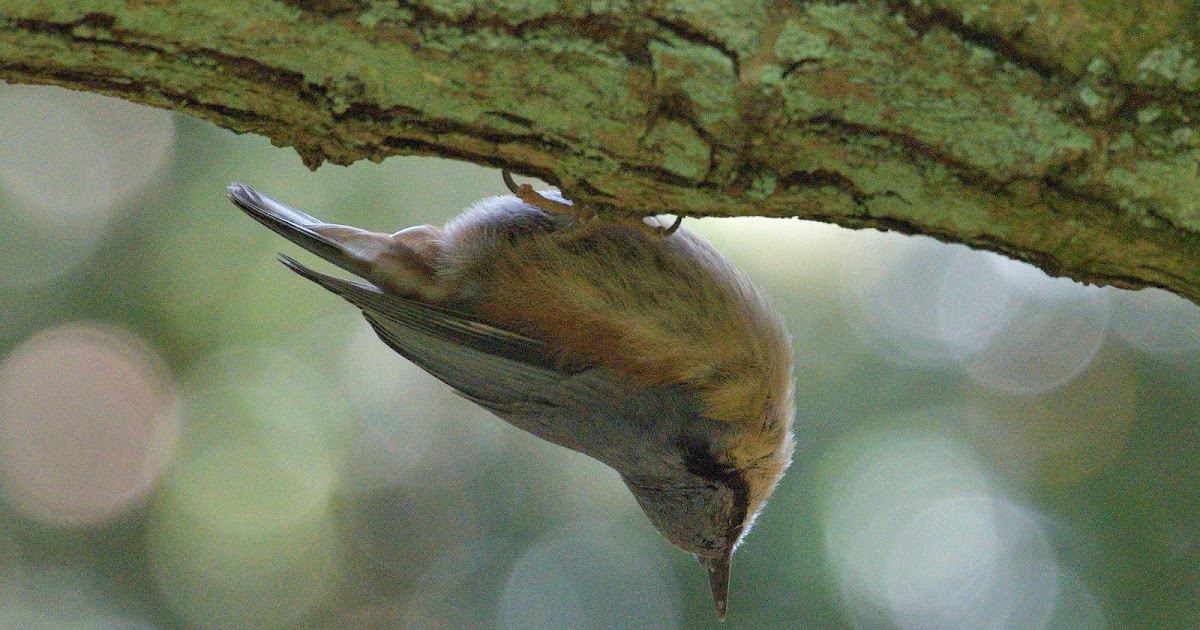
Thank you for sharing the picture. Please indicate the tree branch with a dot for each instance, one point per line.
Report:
(1060, 132)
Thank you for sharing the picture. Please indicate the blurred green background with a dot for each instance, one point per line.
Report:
(192, 436)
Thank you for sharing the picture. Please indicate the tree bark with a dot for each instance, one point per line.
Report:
(1060, 132)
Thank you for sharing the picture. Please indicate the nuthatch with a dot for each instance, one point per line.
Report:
(635, 345)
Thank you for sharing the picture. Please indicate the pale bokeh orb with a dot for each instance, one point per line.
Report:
(88, 422)
(587, 576)
(1158, 323)
(68, 162)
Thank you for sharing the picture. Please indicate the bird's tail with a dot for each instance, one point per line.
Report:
(401, 262)
(293, 225)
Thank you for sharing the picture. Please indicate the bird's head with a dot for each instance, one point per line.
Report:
(707, 503)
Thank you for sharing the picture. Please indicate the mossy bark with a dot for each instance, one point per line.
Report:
(1061, 132)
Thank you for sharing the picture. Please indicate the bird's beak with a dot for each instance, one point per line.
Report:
(718, 578)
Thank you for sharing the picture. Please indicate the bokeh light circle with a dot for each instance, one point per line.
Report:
(1054, 334)
(70, 155)
(445, 594)
(1064, 436)
(406, 419)
(971, 561)
(874, 481)
(68, 160)
(88, 421)
(587, 576)
(241, 533)
(917, 535)
(1158, 323)
(891, 289)
(238, 541)
(1006, 323)
(974, 302)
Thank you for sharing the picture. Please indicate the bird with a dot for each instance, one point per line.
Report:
(635, 344)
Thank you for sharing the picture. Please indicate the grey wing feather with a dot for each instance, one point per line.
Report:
(491, 366)
(593, 411)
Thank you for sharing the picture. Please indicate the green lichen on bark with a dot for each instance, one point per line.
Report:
(1050, 131)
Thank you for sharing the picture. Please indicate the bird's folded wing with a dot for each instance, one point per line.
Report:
(491, 366)
(591, 410)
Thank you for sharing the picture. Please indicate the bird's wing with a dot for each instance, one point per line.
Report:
(494, 367)
(590, 410)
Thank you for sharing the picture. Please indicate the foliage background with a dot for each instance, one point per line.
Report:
(191, 436)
